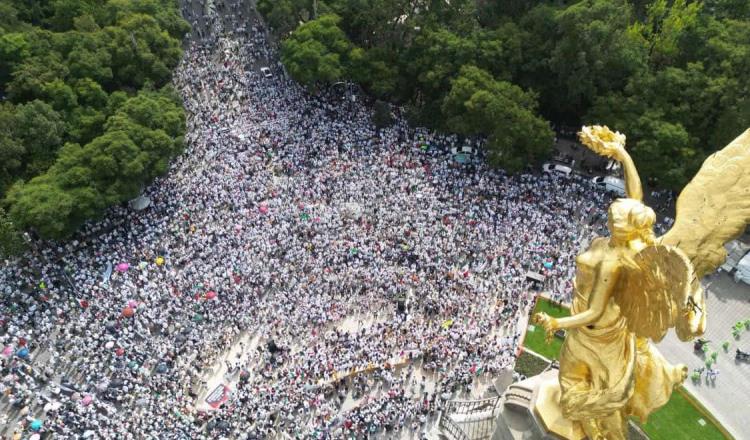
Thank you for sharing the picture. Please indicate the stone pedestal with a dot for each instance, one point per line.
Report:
(531, 411)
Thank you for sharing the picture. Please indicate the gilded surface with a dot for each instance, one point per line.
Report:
(632, 287)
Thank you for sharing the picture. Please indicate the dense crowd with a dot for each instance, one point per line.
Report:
(288, 214)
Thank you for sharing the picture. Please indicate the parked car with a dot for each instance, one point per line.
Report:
(743, 270)
(556, 168)
(265, 71)
(610, 184)
(735, 251)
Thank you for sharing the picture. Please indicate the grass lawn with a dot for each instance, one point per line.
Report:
(535, 339)
(679, 419)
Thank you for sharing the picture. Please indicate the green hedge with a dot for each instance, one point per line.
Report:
(530, 365)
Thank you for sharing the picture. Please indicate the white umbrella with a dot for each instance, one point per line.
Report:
(140, 203)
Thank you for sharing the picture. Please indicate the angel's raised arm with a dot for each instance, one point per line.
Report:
(632, 179)
(605, 142)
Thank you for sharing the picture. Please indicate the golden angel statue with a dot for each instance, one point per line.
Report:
(632, 287)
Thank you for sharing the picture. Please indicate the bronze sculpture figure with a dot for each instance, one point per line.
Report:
(632, 287)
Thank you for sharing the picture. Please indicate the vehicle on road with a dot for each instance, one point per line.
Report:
(743, 270)
(610, 184)
(742, 356)
(699, 344)
(735, 251)
(265, 71)
(556, 168)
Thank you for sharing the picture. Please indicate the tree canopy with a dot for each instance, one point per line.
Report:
(88, 117)
(317, 51)
(671, 74)
(479, 104)
(136, 146)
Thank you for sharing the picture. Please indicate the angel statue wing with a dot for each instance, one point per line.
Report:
(714, 208)
(653, 290)
(660, 287)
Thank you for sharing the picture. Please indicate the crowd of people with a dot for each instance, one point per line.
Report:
(288, 214)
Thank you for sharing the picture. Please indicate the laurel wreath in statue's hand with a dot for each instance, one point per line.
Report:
(603, 141)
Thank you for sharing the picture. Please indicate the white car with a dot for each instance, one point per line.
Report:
(265, 71)
(610, 184)
(743, 270)
(735, 251)
(557, 169)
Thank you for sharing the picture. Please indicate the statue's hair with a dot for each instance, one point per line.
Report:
(633, 218)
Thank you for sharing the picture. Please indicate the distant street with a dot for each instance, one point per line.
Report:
(729, 397)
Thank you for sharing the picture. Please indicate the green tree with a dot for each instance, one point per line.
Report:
(30, 76)
(90, 94)
(33, 11)
(663, 152)
(141, 51)
(281, 15)
(733, 9)
(60, 96)
(494, 11)
(659, 107)
(9, 21)
(663, 27)
(375, 23)
(14, 48)
(52, 212)
(86, 124)
(12, 150)
(89, 58)
(75, 134)
(40, 129)
(317, 51)
(86, 23)
(171, 21)
(140, 139)
(155, 122)
(477, 104)
(593, 54)
(435, 59)
(11, 240)
(65, 12)
(373, 70)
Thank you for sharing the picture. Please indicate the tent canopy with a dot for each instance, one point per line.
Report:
(140, 203)
(534, 276)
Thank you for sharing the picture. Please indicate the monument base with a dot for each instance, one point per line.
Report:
(531, 411)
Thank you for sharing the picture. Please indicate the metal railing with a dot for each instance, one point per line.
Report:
(471, 406)
(474, 429)
(451, 429)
